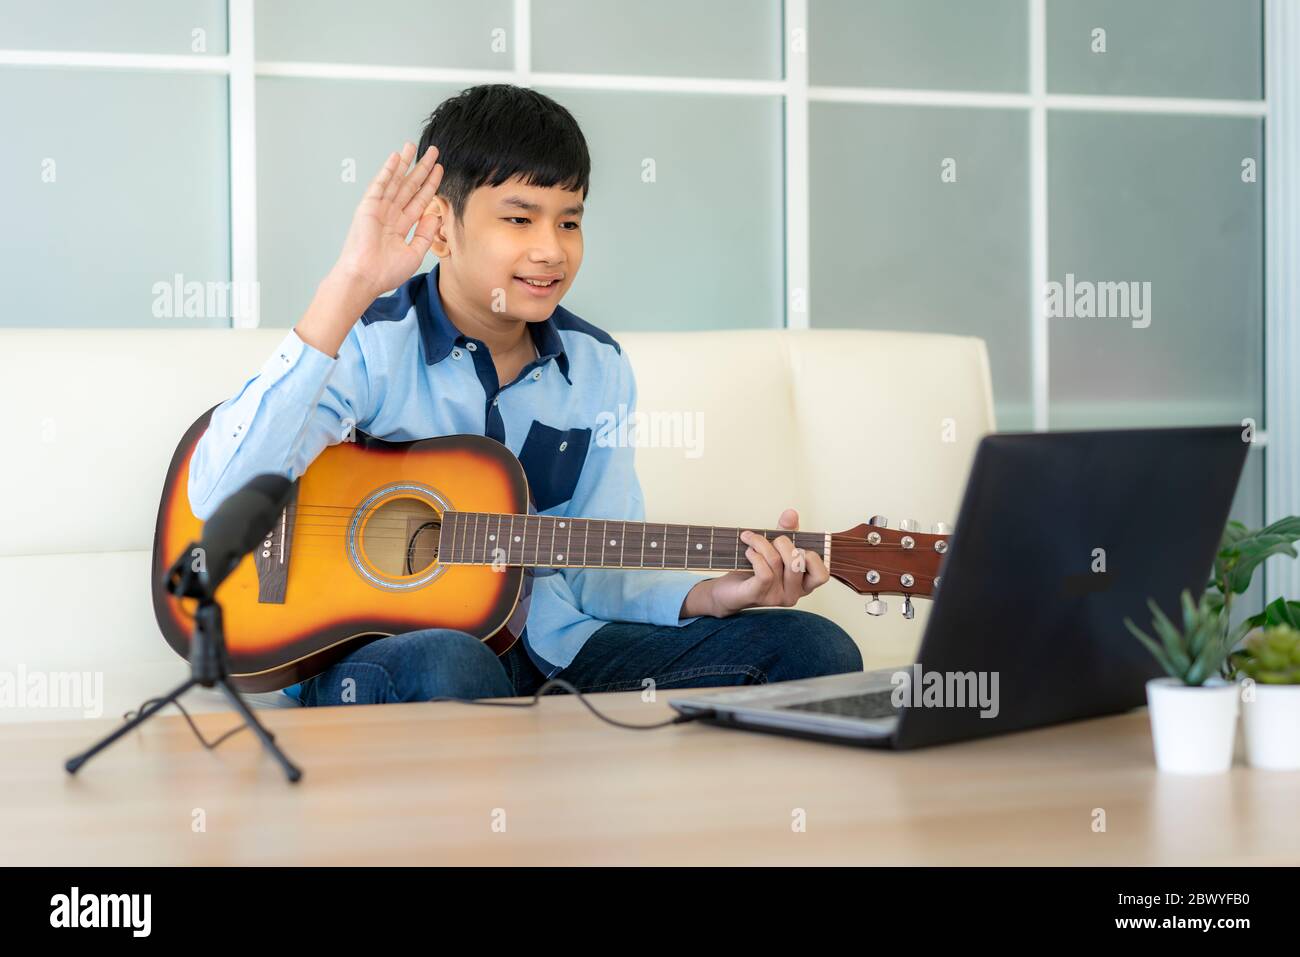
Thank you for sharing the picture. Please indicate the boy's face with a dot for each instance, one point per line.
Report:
(512, 232)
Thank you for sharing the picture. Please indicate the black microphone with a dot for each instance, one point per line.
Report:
(240, 523)
(235, 529)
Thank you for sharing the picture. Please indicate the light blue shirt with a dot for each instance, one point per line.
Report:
(406, 372)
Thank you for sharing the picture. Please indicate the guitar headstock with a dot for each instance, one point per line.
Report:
(874, 559)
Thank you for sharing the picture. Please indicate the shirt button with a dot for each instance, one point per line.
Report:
(537, 374)
(471, 347)
(496, 399)
(455, 353)
(564, 445)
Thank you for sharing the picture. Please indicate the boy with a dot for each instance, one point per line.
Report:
(480, 344)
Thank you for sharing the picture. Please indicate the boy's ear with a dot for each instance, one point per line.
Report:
(439, 212)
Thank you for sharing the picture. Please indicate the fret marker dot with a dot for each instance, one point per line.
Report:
(516, 538)
(613, 542)
(561, 525)
(654, 544)
(492, 538)
(698, 546)
(559, 558)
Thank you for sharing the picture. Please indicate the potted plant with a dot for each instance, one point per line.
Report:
(1271, 725)
(1193, 710)
(1268, 668)
(1193, 701)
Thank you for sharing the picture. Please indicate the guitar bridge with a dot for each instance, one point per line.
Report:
(272, 555)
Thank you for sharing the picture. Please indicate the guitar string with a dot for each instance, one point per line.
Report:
(459, 554)
(331, 511)
(843, 551)
(456, 553)
(340, 521)
(307, 510)
(630, 523)
(463, 550)
(669, 528)
(459, 551)
(673, 539)
(838, 566)
(653, 531)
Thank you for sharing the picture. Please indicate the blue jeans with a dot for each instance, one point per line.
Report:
(755, 646)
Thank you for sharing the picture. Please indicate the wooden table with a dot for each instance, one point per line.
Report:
(450, 783)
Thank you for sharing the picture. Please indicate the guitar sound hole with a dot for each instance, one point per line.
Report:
(400, 536)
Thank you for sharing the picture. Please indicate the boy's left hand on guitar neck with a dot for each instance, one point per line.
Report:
(781, 575)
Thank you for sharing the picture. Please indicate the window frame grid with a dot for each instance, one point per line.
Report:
(1279, 108)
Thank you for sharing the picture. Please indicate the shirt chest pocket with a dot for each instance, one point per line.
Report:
(552, 460)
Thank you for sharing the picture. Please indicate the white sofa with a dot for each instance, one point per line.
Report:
(839, 424)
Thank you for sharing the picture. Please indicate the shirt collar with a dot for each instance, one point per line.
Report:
(439, 334)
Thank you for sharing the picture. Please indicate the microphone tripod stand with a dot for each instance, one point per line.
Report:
(209, 666)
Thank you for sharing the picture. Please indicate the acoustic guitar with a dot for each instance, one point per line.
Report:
(381, 538)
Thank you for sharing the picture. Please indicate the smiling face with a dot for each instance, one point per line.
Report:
(511, 234)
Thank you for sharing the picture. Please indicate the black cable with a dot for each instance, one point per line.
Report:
(193, 727)
(559, 682)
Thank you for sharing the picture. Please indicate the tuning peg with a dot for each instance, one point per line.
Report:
(941, 528)
(909, 525)
(908, 612)
(879, 520)
(876, 607)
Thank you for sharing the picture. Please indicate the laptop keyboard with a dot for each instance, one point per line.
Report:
(871, 704)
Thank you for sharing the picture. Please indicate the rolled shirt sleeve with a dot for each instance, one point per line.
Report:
(301, 401)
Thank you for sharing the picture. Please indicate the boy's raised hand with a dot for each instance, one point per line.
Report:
(376, 252)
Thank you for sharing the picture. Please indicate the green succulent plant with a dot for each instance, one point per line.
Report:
(1199, 649)
(1270, 656)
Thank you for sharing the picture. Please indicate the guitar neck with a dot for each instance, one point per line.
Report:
(557, 541)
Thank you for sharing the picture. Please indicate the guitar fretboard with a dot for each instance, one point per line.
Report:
(554, 541)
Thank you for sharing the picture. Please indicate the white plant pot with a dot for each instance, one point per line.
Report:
(1270, 717)
(1193, 728)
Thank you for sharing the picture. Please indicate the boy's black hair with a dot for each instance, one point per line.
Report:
(490, 133)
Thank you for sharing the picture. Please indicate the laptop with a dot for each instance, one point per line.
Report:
(1060, 536)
